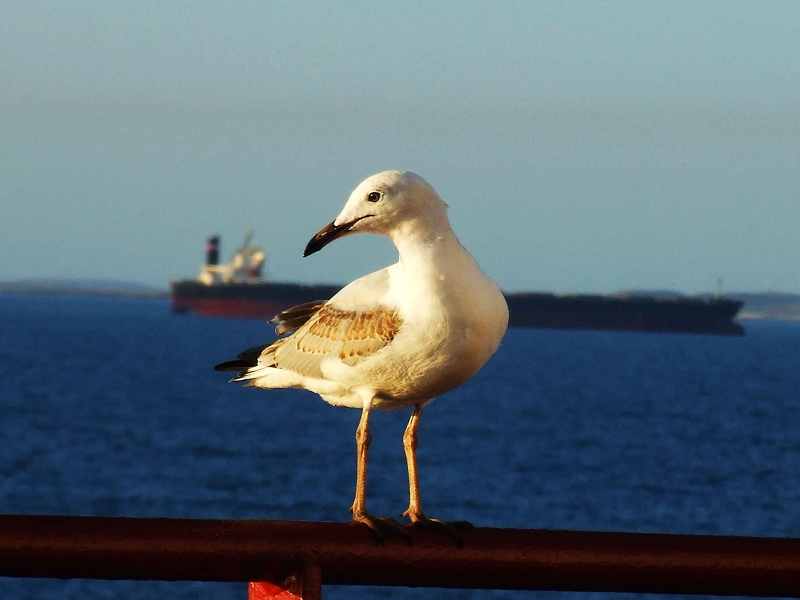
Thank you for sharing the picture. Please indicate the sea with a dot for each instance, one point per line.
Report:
(110, 407)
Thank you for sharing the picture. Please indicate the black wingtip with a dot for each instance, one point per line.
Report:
(230, 365)
(245, 360)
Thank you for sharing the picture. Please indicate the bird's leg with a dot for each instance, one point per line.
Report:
(414, 511)
(380, 527)
(363, 440)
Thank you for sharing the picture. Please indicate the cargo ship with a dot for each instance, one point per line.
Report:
(238, 289)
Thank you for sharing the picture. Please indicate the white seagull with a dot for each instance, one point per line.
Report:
(397, 337)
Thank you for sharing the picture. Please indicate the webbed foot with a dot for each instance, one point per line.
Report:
(382, 527)
(451, 529)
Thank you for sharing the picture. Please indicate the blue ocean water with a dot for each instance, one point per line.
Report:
(110, 407)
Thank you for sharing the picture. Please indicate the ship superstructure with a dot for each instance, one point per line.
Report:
(246, 264)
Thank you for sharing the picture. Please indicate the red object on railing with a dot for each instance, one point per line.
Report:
(266, 590)
(304, 584)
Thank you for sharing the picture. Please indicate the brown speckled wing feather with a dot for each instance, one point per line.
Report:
(330, 332)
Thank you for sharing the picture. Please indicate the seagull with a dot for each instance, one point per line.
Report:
(398, 337)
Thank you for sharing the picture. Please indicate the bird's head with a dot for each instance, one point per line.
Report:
(384, 203)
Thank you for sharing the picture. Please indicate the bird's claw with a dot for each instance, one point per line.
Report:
(382, 527)
(450, 529)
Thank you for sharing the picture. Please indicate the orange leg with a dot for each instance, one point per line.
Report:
(414, 511)
(363, 440)
(380, 527)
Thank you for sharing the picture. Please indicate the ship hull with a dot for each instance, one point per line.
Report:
(549, 311)
(613, 313)
(244, 300)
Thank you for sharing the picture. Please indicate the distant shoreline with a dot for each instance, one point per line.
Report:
(159, 295)
(746, 315)
(82, 288)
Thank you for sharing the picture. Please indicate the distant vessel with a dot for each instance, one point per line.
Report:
(238, 289)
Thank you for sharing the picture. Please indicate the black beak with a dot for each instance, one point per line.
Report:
(325, 236)
(329, 233)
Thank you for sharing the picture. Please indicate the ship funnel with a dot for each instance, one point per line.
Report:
(212, 251)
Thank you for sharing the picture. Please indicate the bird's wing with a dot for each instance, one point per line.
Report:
(347, 335)
(352, 326)
(291, 319)
(356, 323)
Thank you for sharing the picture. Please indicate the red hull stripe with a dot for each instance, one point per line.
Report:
(238, 308)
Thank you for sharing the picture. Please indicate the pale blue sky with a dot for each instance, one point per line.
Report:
(588, 146)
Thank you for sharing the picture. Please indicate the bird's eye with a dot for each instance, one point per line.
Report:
(374, 196)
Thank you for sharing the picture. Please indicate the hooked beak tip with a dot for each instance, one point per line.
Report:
(330, 232)
(324, 237)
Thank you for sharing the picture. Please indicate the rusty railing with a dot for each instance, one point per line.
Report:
(296, 558)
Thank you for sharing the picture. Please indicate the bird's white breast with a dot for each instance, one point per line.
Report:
(453, 320)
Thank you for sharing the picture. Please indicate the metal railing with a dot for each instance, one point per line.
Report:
(303, 556)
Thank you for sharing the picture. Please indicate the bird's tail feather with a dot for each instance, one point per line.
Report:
(256, 368)
(269, 378)
(252, 373)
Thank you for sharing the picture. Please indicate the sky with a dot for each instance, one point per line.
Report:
(582, 147)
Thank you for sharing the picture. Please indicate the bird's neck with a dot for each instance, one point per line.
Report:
(428, 248)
